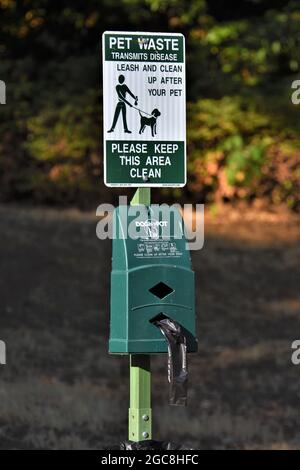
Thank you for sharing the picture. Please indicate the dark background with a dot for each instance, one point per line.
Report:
(60, 389)
(243, 140)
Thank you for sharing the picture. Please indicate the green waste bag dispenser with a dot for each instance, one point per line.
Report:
(152, 279)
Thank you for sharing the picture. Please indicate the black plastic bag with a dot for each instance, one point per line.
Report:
(177, 354)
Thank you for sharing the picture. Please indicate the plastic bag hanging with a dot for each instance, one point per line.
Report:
(177, 363)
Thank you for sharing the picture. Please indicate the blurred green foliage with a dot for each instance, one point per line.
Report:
(243, 131)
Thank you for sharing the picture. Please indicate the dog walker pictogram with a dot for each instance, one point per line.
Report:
(150, 120)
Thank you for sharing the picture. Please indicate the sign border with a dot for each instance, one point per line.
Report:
(147, 185)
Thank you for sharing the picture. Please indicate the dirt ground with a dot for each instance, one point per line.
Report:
(61, 390)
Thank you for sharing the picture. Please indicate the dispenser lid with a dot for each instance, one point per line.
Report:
(149, 235)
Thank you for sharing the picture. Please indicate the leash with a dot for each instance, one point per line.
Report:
(144, 112)
(138, 109)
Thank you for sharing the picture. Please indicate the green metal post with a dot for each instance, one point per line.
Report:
(140, 418)
(140, 415)
(141, 197)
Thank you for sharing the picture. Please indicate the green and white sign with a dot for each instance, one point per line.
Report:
(144, 119)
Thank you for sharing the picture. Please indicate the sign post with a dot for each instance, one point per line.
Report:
(144, 109)
(144, 130)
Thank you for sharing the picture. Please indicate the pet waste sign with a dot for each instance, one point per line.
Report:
(144, 109)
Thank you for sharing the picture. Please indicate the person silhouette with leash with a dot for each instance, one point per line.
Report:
(121, 90)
